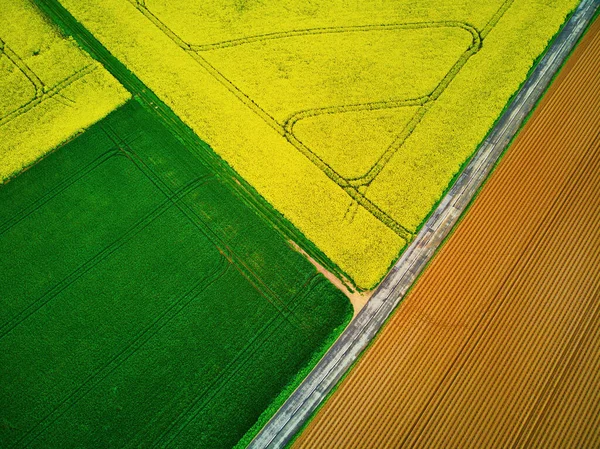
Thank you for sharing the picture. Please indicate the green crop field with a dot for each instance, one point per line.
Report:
(145, 302)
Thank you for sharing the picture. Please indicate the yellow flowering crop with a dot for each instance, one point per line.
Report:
(49, 88)
(350, 117)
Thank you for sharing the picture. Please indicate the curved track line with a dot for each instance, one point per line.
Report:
(333, 30)
(37, 83)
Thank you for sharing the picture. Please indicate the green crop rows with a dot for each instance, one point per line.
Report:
(143, 301)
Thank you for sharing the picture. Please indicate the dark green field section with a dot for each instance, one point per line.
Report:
(142, 302)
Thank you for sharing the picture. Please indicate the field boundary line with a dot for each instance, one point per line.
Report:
(207, 230)
(199, 402)
(182, 132)
(305, 400)
(237, 363)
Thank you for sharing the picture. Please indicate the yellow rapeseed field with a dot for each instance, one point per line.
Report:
(49, 88)
(350, 117)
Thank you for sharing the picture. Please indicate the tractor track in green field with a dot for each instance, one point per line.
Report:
(134, 345)
(205, 228)
(82, 269)
(67, 182)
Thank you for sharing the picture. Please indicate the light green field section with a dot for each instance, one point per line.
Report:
(49, 88)
(350, 118)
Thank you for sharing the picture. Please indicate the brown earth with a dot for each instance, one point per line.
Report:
(498, 344)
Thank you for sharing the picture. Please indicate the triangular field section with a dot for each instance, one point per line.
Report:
(347, 91)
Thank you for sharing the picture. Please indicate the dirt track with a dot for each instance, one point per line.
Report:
(499, 343)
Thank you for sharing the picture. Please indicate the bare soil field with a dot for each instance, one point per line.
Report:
(498, 344)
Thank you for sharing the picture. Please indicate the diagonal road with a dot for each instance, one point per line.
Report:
(294, 413)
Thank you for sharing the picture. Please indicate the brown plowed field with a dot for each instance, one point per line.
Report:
(498, 344)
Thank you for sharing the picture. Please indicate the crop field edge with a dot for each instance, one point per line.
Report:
(470, 158)
(595, 16)
(222, 170)
(67, 25)
(463, 214)
(342, 318)
(292, 385)
(42, 156)
(506, 106)
(521, 125)
(43, 92)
